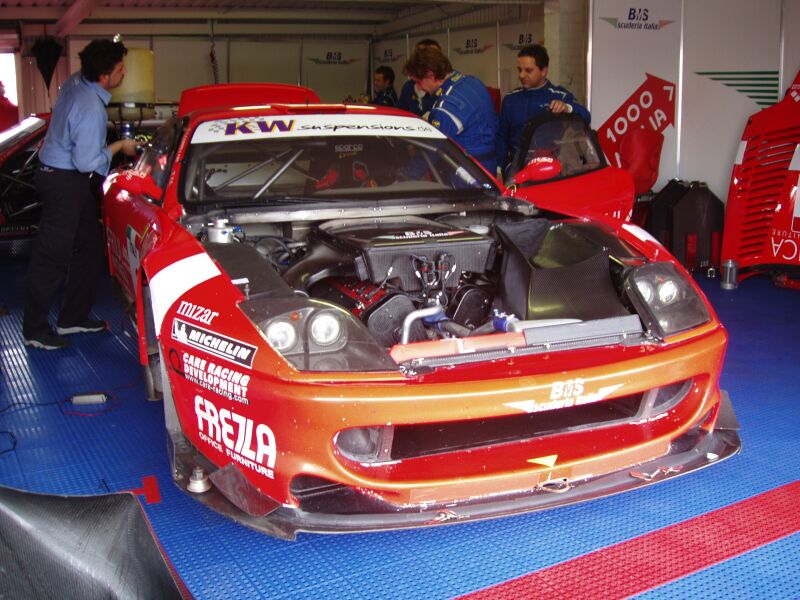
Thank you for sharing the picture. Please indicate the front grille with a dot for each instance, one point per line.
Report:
(756, 194)
(412, 441)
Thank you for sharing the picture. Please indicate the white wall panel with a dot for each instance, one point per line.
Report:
(791, 43)
(273, 62)
(184, 63)
(731, 62)
(512, 39)
(474, 52)
(631, 39)
(393, 54)
(336, 69)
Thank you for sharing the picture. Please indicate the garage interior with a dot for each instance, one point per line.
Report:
(729, 531)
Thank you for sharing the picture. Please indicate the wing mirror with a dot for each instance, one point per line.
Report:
(540, 168)
(139, 184)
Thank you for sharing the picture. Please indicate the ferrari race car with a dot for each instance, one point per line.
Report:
(354, 327)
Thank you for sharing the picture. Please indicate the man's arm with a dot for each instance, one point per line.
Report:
(446, 121)
(569, 104)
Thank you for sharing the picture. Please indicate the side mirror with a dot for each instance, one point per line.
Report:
(139, 184)
(540, 168)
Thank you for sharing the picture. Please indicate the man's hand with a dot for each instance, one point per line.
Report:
(559, 106)
(130, 146)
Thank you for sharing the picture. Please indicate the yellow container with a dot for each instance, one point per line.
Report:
(133, 99)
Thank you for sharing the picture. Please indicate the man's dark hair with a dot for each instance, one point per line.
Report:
(428, 59)
(99, 57)
(538, 53)
(427, 42)
(387, 73)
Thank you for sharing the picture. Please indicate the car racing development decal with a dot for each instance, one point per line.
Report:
(173, 281)
(254, 128)
(564, 394)
(236, 436)
(225, 381)
(227, 348)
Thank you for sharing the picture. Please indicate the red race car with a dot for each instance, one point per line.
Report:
(19, 151)
(353, 327)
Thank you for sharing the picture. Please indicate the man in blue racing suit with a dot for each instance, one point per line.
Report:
(463, 109)
(413, 99)
(383, 84)
(535, 96)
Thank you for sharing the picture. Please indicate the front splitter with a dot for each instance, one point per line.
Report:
(695, 450)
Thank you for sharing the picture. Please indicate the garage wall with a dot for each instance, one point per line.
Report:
(255, 60)
(336, 70)
(726, 59)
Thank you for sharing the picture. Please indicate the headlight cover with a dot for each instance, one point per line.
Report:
(665, 300)
(316, 336)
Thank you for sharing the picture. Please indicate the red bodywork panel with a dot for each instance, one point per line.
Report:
(762, 216)
(607, 192)
(243, 94)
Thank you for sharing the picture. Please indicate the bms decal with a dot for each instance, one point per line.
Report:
(564, 394)
(250, 444)
(637, 19)
(213, 343)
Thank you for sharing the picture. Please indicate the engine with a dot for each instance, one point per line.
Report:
(383, 271)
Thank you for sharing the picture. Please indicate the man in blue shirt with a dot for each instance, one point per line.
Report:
(463, 109)
(413, 99)
(383, 86)
(73, 161)
(535, 96)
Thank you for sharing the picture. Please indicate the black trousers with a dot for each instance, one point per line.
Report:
(69, 246)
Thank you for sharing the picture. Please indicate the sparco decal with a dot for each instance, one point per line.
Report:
(250, 444)
(217, 378)
(213, 343)
(197, 313)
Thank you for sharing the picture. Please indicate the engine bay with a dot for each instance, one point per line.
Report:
(411, 278)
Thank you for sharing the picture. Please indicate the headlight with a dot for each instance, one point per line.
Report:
(666, 301)
(316, 336)
(281, 335)
(325, 328)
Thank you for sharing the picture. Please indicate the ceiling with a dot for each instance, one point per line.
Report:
(376, 17)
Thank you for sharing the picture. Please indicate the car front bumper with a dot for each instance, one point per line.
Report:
(695, 450)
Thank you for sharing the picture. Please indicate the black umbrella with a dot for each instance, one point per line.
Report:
(47, 51)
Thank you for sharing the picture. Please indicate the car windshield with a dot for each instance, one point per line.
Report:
(324, 162)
